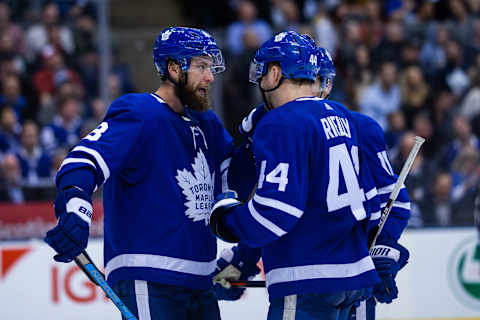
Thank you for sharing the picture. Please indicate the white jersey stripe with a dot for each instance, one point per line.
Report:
(157, 98)
(98, 158)
(160, 262)
(372, 193)
(320, 271)
(388, 189)
(279, 205)
(376, 215)
(143, 305)
(264, 222)
(76, 160)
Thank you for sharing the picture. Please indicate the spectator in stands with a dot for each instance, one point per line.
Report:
(359, 74)
(37, 35)
(10, 180)
(98, 110)
(432, 55)
(10, 28)
(463, 138)
(34, 161)
(391, 45)
(247, 20)
(472, 47)
(325, 32)
(374, 23)
(470, 105)
(8, 51)
(465, 182)
(383, 96)
(423, 127)
(64, 131)
(396, 129)
(410, 55)
(442, 119)
(437, 206)
(414, 93)
(420, 174)
(57, 159)
(9, 131)
(11, 95)
(285, 15)
(84, 34)
(52, 75)
(352, 38)
(460, 23)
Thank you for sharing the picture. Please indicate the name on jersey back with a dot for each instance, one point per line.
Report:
(335, 126)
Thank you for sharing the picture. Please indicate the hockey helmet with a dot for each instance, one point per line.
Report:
(295, 53)
(180, 44)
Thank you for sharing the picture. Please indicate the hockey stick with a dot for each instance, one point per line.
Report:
(97, 277)
(396, 189)
(385, 211)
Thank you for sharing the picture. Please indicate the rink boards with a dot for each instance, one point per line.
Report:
(441, 281)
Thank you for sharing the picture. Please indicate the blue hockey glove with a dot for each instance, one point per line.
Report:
(232, 267)
(249, 123)
(223, 204)
(388, 259)
(73, 209)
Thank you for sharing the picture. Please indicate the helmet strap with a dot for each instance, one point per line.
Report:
(268, 106)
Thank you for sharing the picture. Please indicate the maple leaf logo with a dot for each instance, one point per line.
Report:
(197, 188)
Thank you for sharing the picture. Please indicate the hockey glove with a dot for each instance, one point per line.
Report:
(223, 204)
(388, 259)
(73, 209)
(231, 267)
(249, 123)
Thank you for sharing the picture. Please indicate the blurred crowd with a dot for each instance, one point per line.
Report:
(49, 91)
(412, 65)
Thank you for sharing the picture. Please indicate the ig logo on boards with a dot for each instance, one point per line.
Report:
(464, 272)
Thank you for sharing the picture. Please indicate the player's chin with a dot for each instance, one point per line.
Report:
(202, 102)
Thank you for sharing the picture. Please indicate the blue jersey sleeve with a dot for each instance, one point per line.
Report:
(280, 198)
(109, 147)
(373, 142)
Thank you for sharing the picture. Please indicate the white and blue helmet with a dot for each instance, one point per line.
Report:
(295, 53)
(180, 44)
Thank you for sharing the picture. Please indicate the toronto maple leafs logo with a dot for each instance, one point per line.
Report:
(197, 188)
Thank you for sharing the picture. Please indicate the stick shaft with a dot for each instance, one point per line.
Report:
(249, 284)
(97, 277)
(396, 188)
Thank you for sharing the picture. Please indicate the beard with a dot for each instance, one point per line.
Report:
(195, 97)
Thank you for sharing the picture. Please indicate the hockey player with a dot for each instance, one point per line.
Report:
(395, 257)
(307, 213)
(162, 158)
(374, 152)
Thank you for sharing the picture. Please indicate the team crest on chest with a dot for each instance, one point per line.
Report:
(197, 186)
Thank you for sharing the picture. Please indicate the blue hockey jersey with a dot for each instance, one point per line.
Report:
(373, 148)
(309, 212)
(161, 172)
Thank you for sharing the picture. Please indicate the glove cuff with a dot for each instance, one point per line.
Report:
(76, 201)
(381, 251)
(81, 208)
